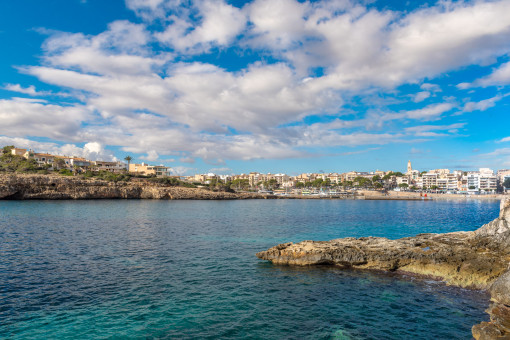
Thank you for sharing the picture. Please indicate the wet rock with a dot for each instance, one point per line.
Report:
(478, 259)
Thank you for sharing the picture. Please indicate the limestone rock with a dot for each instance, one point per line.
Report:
(54, 187)
(500, 290)
(497, 233)
(478, 259)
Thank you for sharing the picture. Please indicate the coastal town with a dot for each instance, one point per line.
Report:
(482, 181)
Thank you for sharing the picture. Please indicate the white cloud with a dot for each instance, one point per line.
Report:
(500, 76)
(152, 156)
(30, 90)
(425, 128)
(189, 160)
(92, 150)
(221, 171)
(219, 24)
(430, 87)
(430, 112)
(481, 105)
(183, 170)
(149, 103)
(20, 118)
(421, 96)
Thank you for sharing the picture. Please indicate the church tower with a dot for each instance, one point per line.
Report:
(409, 167)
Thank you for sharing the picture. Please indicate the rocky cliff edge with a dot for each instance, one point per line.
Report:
(478, 259)
(54, 187)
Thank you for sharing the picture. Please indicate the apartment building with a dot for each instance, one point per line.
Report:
(115, 167)
(429, 180)
(145, 169)
(482, 181)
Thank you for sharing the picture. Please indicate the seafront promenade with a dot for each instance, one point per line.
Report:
(403, 195)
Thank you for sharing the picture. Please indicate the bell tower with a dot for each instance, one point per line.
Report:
(409, 167)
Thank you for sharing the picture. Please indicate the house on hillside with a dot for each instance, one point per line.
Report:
(19, 152)
(145, 169)
(115, 167)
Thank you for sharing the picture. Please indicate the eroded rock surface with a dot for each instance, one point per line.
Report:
(54, 187)
(478, 259)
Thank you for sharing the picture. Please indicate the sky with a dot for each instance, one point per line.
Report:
(269, 86)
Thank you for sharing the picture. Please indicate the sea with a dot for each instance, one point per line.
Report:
(151, 269)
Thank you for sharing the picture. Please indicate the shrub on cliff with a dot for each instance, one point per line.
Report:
(107, 176)
(171, 181)
(65, 172)
(15, 163)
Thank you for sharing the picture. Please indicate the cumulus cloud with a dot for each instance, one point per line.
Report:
(30, 90)
(220, 23)
(20, 118)
(92, 150)
(500, 76)
(183, 170)
(481, 105)
(151, 156)
(160, 101)
(421, 96)
(430, 112)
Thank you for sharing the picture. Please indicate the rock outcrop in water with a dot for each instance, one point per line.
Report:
(23, 187)
(478, 259)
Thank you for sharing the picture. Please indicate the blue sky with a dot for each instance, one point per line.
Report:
(270, 86)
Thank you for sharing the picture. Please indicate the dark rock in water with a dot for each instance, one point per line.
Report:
(478, 259)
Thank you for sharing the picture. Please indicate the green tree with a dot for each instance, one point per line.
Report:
(317, 183)
(272, 184)
(388, 175)
(300, 185)
(15, 163)
(362, 182)
(7, 149)
(239, 184)
(347, 184)
(472, 187)
(506, 183)
(128, 159)
(403, 185)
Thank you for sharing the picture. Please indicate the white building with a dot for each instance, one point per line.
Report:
(482, 181)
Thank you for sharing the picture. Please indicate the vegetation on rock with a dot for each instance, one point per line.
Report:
(17, 164)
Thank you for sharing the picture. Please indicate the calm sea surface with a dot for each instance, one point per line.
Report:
(146, 269)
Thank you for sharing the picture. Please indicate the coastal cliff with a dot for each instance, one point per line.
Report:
(53, 187)
(477, 259)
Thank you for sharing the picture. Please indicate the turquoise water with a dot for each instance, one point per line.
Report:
(187, 269)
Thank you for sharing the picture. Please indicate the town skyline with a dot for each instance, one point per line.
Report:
(239, 86)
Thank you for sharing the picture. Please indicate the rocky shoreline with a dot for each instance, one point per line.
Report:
(478, 259)
(54, 187)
